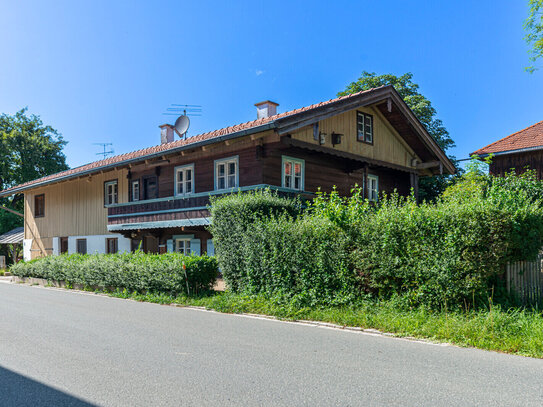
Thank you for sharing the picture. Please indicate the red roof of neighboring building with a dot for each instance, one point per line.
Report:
(530, 137)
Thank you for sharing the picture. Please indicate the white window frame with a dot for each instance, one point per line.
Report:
(186, 239)
(184, 168)
(373, 193)
(367, 122)
(293, 161)
(136, 197)
(226, 162)
(115, 193)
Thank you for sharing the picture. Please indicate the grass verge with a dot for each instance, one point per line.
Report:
(516, 331)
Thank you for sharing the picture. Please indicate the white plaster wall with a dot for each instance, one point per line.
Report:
(97, 243)
(27, 245)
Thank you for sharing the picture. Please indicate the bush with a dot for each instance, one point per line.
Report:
(137, 271)
(232, 216)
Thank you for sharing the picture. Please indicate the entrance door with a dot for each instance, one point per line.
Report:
(63, 245)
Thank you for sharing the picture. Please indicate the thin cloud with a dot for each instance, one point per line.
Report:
(259, 72)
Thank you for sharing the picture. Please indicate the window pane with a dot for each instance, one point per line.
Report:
(221, 183)
(231, 181)
(180, 176)
(288, 168)
(297, 182)
(298, 169)
(180, 188)
(189, 187)
(220, 169)
(287, 181)
(188, 175)
(231, 168)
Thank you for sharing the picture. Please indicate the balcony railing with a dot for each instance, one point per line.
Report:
(176, 208)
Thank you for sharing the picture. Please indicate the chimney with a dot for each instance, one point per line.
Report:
(166, 133)
(266, 109)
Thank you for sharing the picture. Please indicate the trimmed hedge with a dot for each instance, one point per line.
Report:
(137, 271)
(232, 215)
(447, 254)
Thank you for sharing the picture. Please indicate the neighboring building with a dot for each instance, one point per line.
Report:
(157, 197)
(518, 151)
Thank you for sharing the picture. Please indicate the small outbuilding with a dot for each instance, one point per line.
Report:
(14, 242)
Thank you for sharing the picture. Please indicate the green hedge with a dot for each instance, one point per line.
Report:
(132, 271)
(450, 253)
(232, 215)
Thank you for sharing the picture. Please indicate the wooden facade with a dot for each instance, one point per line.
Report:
(329, 149)
(519, 162)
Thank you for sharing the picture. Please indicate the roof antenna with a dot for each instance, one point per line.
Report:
(104, 146)
(183, 112)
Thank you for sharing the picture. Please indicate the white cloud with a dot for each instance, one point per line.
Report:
(259, 72)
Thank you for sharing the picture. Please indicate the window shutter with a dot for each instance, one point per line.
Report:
(169, 245)
(210, 248)
(195, 246)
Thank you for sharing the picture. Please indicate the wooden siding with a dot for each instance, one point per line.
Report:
(519, 162)
(387, 144)
(72, 208)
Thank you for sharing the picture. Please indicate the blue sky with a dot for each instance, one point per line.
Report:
(106, 71)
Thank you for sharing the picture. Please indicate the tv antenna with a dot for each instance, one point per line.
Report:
(183, 112)
(105, 153)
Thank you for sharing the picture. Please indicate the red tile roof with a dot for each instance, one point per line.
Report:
(164, 148)
(530, 137)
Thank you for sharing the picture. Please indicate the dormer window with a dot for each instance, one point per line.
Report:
(364, 127)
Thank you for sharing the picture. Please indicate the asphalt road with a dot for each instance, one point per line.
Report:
(61, 348)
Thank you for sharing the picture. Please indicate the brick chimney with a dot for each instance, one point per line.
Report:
(167, 133)
(266, 109)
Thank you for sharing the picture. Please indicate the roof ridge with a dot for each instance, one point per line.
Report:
(510, 135)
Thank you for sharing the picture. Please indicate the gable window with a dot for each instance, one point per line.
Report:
(226, 173)
(81, 246)
(364, 127)
(373, 188)
(293, 173)
(110, 192)
(39, 206)
(136, 190)
(112, 245)
(182, 246)
(184, 180)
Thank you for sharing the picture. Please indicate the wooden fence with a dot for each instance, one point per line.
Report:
(525, 279)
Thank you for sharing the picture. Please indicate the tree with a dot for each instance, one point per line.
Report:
(430, 187)
(534, 27)
(28, 150)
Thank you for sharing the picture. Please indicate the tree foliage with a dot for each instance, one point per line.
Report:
(28, 150)
(430, 188)
(534, 28)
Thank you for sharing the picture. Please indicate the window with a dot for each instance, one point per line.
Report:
(81, 246)
(373, 187)
(63, 245)
(293, 173)
(182, 246)
(110, 192)
(364, 127)
(136, 190)
(39, 206)
(112, 245)
(226, 173)
(150, 188)
(184, 177)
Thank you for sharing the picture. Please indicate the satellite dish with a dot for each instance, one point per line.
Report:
(182, 125)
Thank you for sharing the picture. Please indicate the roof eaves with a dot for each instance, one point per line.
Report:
(218, 139)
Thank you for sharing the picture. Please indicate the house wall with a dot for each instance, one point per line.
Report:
(72, 208)
(387, 144)
(520, 162)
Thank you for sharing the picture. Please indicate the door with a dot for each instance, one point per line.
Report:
(63, 245)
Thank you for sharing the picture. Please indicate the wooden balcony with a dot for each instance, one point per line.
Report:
(190, 210)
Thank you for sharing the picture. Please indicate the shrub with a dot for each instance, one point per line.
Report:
(132, 271)
(232, 215)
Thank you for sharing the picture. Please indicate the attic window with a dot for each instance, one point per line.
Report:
(364, 127)
(39, 206)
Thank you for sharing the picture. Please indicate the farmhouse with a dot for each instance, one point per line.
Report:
(518, 151)
(156, 198)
